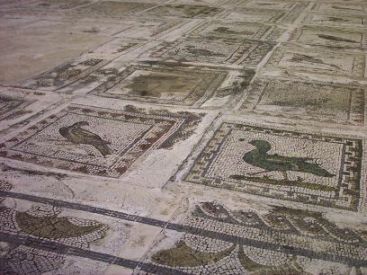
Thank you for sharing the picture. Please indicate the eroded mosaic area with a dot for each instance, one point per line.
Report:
(318, 61)
(170, 83)
(301, 167)
(98, 141)
(11, 107)
(330, 37)
(214, 50)
(241, 241)
(277, 12)
(239, 30)
(113, 8)
(189, 11)
(307, 100)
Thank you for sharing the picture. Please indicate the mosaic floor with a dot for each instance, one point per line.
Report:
(183, 137)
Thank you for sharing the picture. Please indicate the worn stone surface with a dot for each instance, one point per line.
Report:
(183, 137)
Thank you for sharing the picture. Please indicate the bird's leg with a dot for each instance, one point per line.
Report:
(285, 175)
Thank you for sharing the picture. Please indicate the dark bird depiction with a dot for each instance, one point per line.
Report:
(259, 157)
(77, 135)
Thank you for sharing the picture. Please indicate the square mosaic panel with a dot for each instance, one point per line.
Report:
(341, 8)
(70, 72)
(187, 11)
(64, 74)
(238, 30)
(146, 28)
(305, 100)
(10, 107)
(98, 141)
(213, 50)
(318, 61)
(59, 4)
(262, 15)
(172, 83)
(113, 8)
(277, 5)
(330, 37)
(301, 167)
(336, 20)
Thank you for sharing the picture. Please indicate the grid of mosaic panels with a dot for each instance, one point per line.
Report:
(184, 137)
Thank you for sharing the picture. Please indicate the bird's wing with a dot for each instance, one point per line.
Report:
(91, 137)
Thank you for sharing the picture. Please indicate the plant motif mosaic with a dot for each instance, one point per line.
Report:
(330, 37)
(189, 11)
(238, 30)
(317, 61)
(282, 241)
(343, 104)
(98, 141)
(170, 83)
(213, 50)
(45, 222)
(113, 8)
(301, 167)
(11, 107)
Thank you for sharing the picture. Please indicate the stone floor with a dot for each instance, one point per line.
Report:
(183, 137)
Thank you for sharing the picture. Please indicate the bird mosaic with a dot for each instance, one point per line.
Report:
(77, 135)
(259, 157)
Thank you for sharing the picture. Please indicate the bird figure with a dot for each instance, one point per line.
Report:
(76, 134)
(273, 162)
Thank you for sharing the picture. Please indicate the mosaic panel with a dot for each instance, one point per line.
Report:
(301, 167)
(149, 28)
(261, 15)
(187, 11)
(317, 61)
(330, 37)
(238, 30)
(113, 8)
(98, 141)
(336, 20)
(167, 83)
(214, 50)
(64, 74)
(10, 107)
(59, 4)
(70, 72)
(44, 222)
(306, 100)
(277, 5)
(246, 241)
(341, 8)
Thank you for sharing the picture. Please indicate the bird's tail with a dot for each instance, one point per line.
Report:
(315, 169)
(104, 149)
